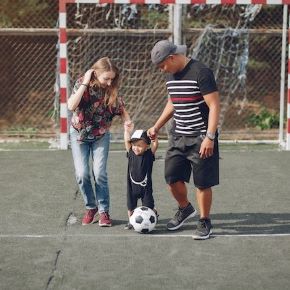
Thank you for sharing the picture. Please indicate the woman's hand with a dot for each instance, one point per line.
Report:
(88, 76)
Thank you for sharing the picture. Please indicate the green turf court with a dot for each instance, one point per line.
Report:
(44, 246)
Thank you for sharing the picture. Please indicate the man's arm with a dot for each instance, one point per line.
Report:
(213, 102)
(162, 120)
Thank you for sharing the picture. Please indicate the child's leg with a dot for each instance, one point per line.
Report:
(128, 226)
(130, 212)
(148, 201)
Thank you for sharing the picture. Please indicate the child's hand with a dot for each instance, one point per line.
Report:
(128, 126)
(152, 133)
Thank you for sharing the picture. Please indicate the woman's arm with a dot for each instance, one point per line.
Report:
(125, 116)
(128, 129)
(75, 98)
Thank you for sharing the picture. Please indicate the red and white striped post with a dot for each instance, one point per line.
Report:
(287, 147)
(63, 63)
(63, 77)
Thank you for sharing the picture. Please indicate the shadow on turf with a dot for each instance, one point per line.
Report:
(230, 224)
(239, 224)
(251, 223)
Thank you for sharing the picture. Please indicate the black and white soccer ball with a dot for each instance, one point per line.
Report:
(143, 219)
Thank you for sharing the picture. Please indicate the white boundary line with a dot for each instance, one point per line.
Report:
(34, 236)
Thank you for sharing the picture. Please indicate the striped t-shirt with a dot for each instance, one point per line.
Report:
(186, 90)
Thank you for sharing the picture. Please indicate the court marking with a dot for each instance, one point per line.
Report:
(31, 236)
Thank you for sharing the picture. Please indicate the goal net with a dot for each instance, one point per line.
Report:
(217, 35)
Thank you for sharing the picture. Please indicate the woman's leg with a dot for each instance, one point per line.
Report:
(100, 151)
(81, 156)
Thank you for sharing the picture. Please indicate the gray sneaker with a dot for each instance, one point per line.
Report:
(182, 215)
(203, 229)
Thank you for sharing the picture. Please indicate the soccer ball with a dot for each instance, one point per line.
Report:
(143, 219)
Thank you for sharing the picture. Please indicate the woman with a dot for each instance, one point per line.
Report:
(95, 102)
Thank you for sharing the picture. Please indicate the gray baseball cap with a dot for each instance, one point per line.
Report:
(164, 48)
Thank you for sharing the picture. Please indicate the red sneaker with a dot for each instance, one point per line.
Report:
(105, 220)
(90, 216)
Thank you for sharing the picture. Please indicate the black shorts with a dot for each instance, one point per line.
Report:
(182, 157)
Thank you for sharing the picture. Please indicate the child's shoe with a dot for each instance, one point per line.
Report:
(128, 226)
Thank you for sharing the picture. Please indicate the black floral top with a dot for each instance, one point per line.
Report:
(93, 117)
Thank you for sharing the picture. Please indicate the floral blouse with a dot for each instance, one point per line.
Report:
(92, 117)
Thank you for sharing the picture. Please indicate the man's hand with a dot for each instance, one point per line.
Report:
(152, 133)
(206, 148)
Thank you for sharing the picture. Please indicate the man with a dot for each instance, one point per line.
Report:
(194, 104)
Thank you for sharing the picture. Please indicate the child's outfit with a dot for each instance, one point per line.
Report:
(139, 179)
(139, 175)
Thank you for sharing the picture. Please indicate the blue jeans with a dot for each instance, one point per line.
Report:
(98, 150)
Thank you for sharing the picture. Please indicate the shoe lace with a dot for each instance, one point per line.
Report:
(91, 213)
(106, 215)
(178, 215)
(202, 224)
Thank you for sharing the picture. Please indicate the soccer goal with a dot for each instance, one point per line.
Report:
(246, 52)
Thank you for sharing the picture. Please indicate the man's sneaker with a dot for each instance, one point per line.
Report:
(203, 229)
(182, 215)
(128, 226)
(105, 220)
(90, 216)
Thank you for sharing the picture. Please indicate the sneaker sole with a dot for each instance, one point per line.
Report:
(181, 224)
(105, 225)
(202, 237)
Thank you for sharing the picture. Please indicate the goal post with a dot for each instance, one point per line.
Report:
(63, 50)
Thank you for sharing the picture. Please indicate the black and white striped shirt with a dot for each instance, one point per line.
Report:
(186, 90)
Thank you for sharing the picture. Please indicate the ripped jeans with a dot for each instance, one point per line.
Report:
(98, 150)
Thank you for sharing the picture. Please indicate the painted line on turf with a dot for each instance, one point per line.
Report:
(31, 236)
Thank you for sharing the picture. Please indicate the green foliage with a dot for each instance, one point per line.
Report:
(22, 131)
(264, 120)
(154, 19)
(16, 12)
(255, 64)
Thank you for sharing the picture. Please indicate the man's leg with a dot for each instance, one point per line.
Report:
(185, 210)
(204, 227)
(179, 192)
(204, 200)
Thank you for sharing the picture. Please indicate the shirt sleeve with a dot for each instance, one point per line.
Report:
(206, 81)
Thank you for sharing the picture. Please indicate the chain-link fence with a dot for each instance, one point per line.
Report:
(247, 70)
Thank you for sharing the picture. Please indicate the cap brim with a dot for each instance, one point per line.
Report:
(135, 139)
(181, 49)
(143, 139)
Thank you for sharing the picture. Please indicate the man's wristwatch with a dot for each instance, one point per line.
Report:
(210, 136)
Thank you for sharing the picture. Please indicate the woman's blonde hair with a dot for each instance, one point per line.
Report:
(104, 64)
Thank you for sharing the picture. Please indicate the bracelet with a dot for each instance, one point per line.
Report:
(84, 85)
(210, 136)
